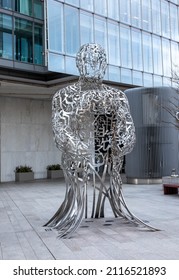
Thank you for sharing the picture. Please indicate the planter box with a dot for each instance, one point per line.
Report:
(54, 174)
(24, 176)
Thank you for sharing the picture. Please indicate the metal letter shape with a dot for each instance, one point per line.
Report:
(93, 129)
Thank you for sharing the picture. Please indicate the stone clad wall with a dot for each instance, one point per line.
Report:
(26, 136)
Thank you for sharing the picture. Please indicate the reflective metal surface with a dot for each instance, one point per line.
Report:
(94, 129)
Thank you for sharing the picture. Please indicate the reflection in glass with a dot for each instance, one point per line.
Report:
(126, 76)
(87, 4)
(165, 19)
(157, 55)
(6, 4)
(55, 22)
(100, 32)
(137, 50)
(5, 45)
(113, 9)
(73, 2)
(125, 47)
(100, 7)
(136, 13)
(146, 15)
(174, 19)
(148, 80)
(38, 9)
(24, 7)
(114, 73)
(38, 51)
(156, 18)
(174, 54)
(70, 63)
(137, 78)
(71, 30)
(158, 81)
(23, 40)
(147, 52)
(125, 14)
(166, 57)
(113, 44)
(56, 62)
(86, 28)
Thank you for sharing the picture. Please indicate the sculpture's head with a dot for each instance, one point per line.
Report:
(91, 61)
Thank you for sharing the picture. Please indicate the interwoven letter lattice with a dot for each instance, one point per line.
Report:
(93, 129)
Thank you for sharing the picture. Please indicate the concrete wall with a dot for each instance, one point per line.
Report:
(26, 136)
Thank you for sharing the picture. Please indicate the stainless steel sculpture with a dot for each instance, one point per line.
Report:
(93, 128)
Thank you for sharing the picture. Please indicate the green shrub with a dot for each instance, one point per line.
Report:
(54, 167)
(23, 169)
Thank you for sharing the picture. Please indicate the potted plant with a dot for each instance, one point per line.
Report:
(54, 171)
(23, 173)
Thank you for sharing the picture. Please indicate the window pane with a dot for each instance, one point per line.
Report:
(174, 19)
(86, 28)
(165, 19)
(148, 80)
(174, 54)
(71, 65)
(100, 32)
(146, 15)
(56, 62)
(137, 50)
(158, 81)
(157, 57)
(24, 7)
(137, 78)
(136, 13)
(147, 52)
(114, 73)
(6, 4)
(71, 30)
(5, 45)
(38, 51)
(5, 22)
(156, 19)
(113, 44)
(73, 2)
(23, 40)
(55, 26)
(125, 15)
(166, 82)
(125, 47)
(88, 5)
(113, 9)
(166, 57)
(100, 7)
(38, 9)
(5, 36)
(126, 76)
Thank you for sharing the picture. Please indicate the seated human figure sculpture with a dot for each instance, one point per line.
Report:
(93, 129)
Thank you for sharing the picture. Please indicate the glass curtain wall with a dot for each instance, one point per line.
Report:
(6, 36)
(139, 36)
(21, 35)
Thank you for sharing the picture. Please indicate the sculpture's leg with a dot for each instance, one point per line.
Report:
(71, 212)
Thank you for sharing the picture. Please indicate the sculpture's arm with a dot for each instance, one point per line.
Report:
(64, 124)
(125, 130)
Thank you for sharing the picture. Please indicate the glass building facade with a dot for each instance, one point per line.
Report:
(21, 31)
(141, 37)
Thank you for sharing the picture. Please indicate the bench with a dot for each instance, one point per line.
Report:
(170, 188)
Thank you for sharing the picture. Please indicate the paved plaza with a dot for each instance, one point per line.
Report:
(25, 207)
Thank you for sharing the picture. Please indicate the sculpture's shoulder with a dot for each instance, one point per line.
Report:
(66, 92)
(115, 92)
